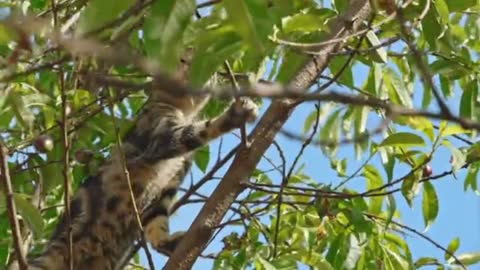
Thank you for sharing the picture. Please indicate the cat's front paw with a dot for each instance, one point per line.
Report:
(243, 110)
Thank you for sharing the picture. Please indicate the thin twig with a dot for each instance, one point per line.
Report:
(11, 208)
(289, 174)
(66, 155)
(129, 183)
(279, 203)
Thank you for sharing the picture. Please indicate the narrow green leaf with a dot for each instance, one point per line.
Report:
(432, 29)
(430, 204)
(312, 21)
(458, 157)
(266, 265)
(450, 70)
(403, 139)
(307, 125)
(374, 180)
(398, 87)
(424, 261)
(338, 69)
(202, 157)
(446, 86)
(452, 247)
(460, 5)
(471, 178)
(353, 254)
(392, 207)
(331, 133)
(473, 153)
(23, 114)
(467, 258)
(29, 213)
(241, 19)
(212, 49)
(410, 188)
(442, 9)
(100, 12)
(468, 99)
(454, 129)
(292, 61)
(379, 54)
(164, 29)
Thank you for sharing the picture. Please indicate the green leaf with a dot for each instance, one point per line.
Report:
(212, 49)
(460, 5)
(452, 248)
(442, 10)
(164, 30)
(392, 207)
(398, 86)
(360, 116)
(100, 12)
(264, 263)
(424, 261)
(432, 29)
(331, 133)
(374, 180)
(379, 54)
(29, 213)
(471, 178)
(22, 113)
(292, 62)
(454, 129)
(450, 70)
(202, 157)
(430, 204)
(467, 258)
(473, 153)
(307, 125)
(403, 139)
(458, 157)
(468, 99)
(312, 21)
(354, 252)
(242, 21)
(410, 188)
(337, 67)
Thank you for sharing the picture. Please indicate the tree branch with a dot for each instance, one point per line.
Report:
(11, 209)
(247, 158)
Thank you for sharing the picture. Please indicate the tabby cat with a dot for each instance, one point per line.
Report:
(158, 152)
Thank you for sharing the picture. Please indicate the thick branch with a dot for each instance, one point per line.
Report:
(247, 158)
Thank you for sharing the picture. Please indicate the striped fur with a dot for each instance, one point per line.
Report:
(158, 151)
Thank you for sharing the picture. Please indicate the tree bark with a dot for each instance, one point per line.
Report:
(261, 138)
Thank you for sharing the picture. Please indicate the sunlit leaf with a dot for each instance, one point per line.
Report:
(452, 248)
(242, 20)
(424, 261)
(164, 29)
(100, 12)
(430, 204)
(202, 157)
(374, 181)
(379, 54)
(403, 139)
(467, 258)
(29, 213)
